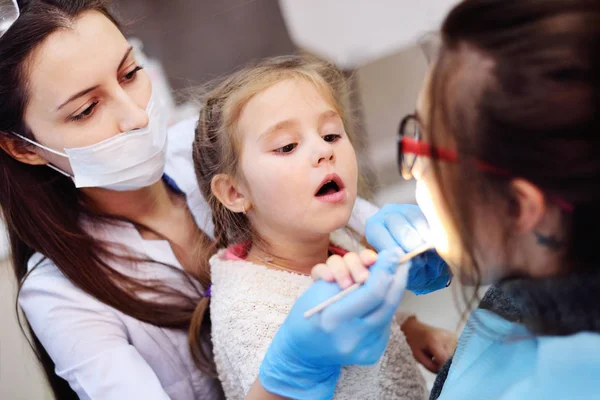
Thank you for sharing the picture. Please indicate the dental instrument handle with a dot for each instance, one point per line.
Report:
(407, 257)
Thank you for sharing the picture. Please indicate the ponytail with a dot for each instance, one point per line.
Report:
(199, 335)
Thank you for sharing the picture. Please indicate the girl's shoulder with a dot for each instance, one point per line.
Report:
(230, 274)
(230, 265)
(230, 269)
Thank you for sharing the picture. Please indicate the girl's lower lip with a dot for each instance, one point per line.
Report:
(333, 198)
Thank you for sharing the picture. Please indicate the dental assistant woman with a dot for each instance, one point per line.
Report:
(106, 222)
(504, 147)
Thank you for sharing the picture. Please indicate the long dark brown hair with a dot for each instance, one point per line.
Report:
(43, 209)
(517, 85)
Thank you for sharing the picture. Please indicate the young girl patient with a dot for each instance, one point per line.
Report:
(274, 159)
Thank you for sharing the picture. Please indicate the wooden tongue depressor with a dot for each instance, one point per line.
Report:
(407, 257)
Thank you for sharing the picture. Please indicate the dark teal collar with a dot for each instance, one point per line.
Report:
(552, 306)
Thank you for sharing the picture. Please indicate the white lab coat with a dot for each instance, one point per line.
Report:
(105, 354)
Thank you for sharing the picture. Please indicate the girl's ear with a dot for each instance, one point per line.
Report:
(226, 189)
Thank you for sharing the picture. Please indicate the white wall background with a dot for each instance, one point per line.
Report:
(356, 32)
(388, 90)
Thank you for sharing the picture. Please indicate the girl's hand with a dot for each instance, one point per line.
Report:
(347, 270)
(305, 358)
(431, 346)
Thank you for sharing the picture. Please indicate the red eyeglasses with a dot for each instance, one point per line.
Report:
(410, 147)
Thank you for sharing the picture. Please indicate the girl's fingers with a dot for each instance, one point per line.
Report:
(357, 269)
(338, 267)
(323, 272)
(368, 257)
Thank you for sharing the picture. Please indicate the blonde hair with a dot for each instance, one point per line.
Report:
(217, 147)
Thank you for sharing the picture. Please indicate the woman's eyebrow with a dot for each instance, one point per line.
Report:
(86, 91)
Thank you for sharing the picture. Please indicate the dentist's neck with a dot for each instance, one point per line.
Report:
(138, 205)
(288, 252)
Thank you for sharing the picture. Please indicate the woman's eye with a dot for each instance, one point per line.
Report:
(332, 137)
(85, 113)
(287, 148)
(131, 75)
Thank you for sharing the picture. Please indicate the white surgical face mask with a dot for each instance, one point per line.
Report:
(127, 161)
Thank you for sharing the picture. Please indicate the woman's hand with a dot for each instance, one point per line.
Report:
(405, 226)
(305, 357)
(431, 346)
(347, 270)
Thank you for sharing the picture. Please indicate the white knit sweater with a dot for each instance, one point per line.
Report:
(248, 304)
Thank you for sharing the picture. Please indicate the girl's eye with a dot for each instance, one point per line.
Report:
(131, 75)
(85, 113)
(287, 148)
(332, 137)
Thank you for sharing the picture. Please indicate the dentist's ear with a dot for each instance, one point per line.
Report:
(17, 149)
(227, 190)
(531, 206)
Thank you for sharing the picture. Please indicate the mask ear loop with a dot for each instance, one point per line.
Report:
(48, 149)
(60, 170)
(41, 146)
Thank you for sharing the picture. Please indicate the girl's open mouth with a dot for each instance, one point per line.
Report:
(331, 189)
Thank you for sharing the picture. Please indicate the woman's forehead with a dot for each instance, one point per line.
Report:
(76, 58)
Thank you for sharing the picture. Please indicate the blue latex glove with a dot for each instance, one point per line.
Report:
(305, 357)
(404, 225)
